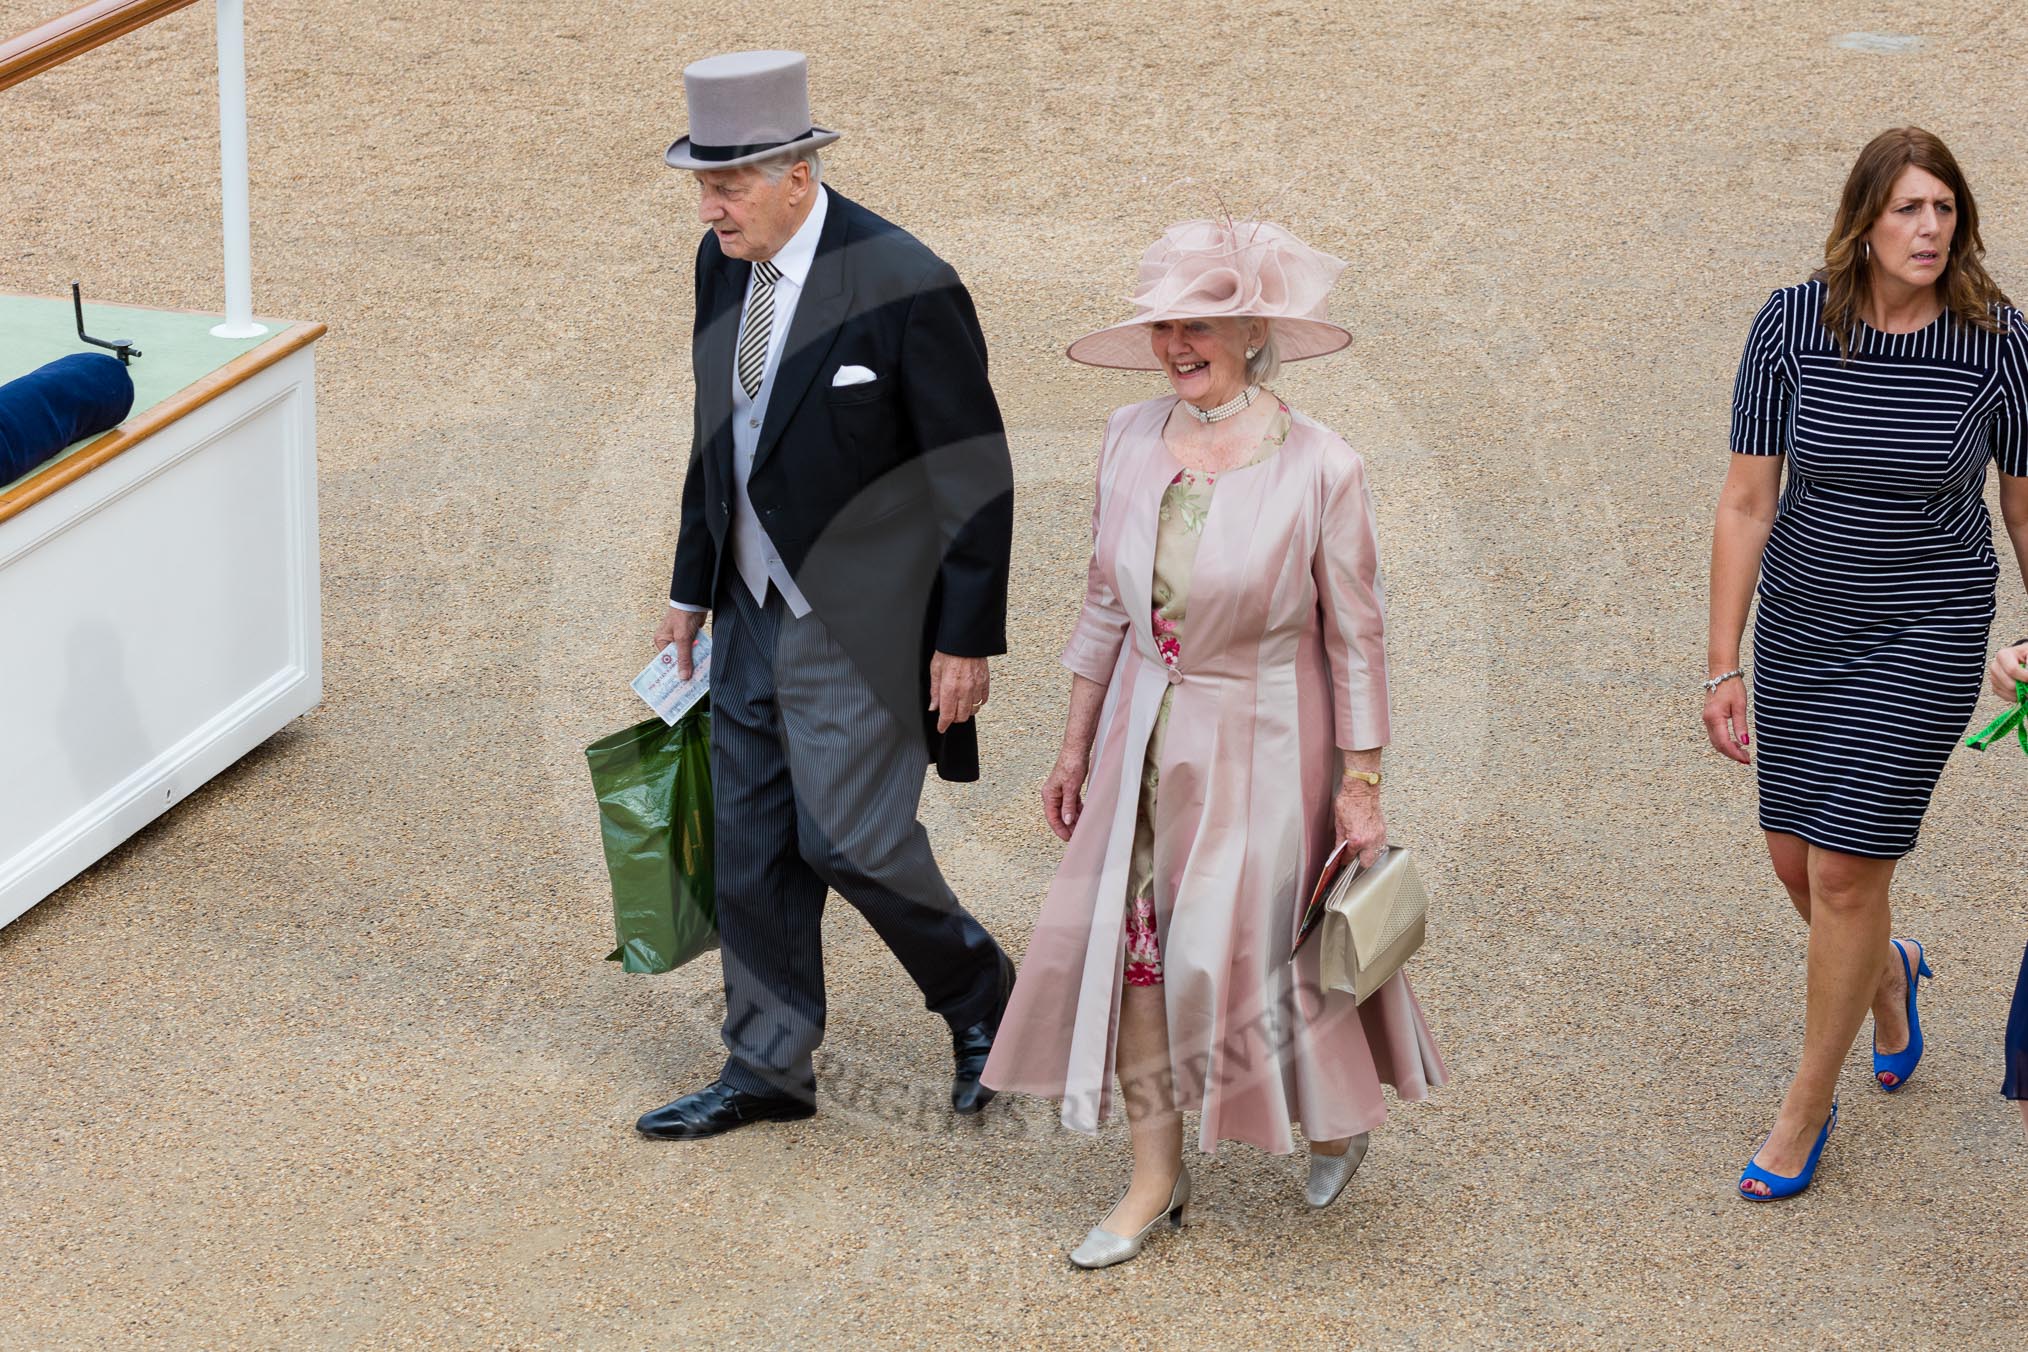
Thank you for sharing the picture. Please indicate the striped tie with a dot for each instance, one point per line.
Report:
(760, 315)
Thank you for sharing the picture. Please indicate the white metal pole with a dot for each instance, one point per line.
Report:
(232, 173)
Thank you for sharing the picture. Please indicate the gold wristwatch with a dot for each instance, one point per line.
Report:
(1369, 776)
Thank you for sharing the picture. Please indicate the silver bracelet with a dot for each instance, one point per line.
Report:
(1736, 673)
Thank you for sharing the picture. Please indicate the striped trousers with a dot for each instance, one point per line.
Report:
(816, 788)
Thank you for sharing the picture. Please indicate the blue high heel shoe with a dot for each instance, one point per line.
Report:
(1901, 1064)
(1779, 1187)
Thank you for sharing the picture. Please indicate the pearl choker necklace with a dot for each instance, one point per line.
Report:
(1239, 403)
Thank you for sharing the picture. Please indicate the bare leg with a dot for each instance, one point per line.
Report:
(1849, 925)
(1890, 1007)
(1791, 857)
(2022, 1104)
(1147, 1085)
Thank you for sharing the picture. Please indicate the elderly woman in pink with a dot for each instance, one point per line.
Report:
(1227, 712)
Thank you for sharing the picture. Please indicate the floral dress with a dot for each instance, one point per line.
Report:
(1185, 507)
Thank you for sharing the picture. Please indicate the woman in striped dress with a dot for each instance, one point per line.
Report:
(1886, 382)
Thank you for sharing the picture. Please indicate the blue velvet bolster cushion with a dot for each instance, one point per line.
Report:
(73, 397)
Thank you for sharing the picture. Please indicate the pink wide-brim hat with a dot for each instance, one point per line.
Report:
(1225, 269)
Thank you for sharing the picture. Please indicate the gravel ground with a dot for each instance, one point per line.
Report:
(328, 1057)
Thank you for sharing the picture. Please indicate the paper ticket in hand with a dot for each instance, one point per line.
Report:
(667, 693)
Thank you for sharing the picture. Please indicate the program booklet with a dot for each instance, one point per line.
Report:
(667, 693)
(1335, 868)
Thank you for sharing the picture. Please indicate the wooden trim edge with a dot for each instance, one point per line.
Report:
(125, 437)
(75, 33)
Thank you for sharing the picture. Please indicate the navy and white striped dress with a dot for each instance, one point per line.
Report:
(1876, 590)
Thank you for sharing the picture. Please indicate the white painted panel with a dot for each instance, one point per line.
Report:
(158, 618)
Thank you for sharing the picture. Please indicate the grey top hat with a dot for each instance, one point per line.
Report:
(746, 106)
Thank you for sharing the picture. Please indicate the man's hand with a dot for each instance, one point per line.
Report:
(958, 688)
(680, 628)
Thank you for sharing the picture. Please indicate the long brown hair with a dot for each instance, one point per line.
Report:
(1967, 291)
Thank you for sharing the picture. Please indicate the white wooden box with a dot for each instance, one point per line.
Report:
(158, 619)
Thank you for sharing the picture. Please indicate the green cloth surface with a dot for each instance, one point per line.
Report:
(177, 349)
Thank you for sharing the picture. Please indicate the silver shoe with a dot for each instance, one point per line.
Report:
(1102, 1248)
(1330, 1173)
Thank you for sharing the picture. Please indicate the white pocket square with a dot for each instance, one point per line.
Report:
(851, 375)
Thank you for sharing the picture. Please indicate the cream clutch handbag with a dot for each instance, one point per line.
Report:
(1369, 921)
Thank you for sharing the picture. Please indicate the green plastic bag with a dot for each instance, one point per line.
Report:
(653, 783)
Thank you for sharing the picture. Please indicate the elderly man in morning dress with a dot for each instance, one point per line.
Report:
(1227, 712)
(847, 519)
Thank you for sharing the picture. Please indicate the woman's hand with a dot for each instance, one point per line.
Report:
(1725, 720)
(1746, 513)
(2009, 665)
(1356, 812)
(1063, 793)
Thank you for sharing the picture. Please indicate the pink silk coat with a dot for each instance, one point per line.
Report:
(1282, 664)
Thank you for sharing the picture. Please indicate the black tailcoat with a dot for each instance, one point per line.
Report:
(890, 502)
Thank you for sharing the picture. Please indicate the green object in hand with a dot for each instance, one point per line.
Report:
(2015, 720)
(653, 783)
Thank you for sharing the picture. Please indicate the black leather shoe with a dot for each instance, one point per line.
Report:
(970, 1047)
(718, 1107)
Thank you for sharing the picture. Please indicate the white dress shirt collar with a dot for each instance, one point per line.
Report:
(795, 257)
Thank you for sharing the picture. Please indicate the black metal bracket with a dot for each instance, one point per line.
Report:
(123, 348)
